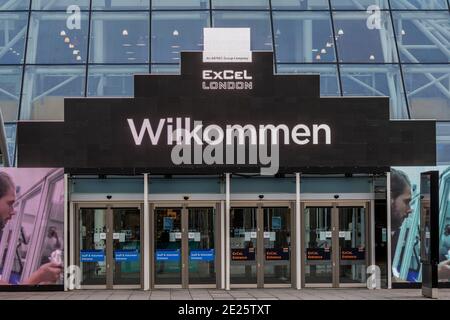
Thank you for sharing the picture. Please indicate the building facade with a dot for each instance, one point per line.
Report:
(145, 227)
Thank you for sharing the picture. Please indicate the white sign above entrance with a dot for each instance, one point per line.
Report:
(226, 45)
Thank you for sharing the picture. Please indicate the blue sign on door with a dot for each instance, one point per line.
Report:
(168, 255)
(92, 255)
(202, 255)
(126, 255)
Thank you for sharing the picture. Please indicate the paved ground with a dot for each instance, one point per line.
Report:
(235, 294)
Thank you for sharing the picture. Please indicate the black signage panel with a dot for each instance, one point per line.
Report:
(277, 254)
(243, 254)
(429, 231)
(205, 107)
(353, 254)
(318, 254)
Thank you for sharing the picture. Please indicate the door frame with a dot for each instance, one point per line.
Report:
(335, 257)
(109, 240)
(184, 206)
(260, 254)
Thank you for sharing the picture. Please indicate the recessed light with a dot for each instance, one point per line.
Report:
(62, 33)
(175, 33)
(125, 32)
(67, 40)
(341, 32)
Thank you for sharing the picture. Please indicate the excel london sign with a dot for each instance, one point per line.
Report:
(217, 117)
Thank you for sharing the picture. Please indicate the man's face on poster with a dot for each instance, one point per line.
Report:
(401, 208)
(7, 206)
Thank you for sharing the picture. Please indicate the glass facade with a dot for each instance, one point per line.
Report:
(55, 49)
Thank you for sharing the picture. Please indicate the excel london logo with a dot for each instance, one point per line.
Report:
(193, 143)
(227, 80)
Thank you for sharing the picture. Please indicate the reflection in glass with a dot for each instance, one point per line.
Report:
(127, 246)
(120, 4)
(13, 29)
(168, 246)
(202, 251)
(358, 43)
(237, 4)
(277, 245)
(45, 89)
(423, 36)
(119, 37)
(419, 4)
(358, 5)
(62, 5)
(93, 246)
(180, 4)
(14, 5)
(318, 245)
(50, 41)
(173, 32)
(428, 91)
(303, 37)
(243, 244)
(113, 81)
(300, 5)
(352, 245)
(10, 79)
(329, 81)
(376, 81)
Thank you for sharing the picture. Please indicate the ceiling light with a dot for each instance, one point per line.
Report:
(76, 52)
(341, 32)
(78, 58)
(62, 33)
(125, 32)
(329, 44)
(67, 40)
(372, 57)
(175, 33)
(323, 51)
(315, 50)
(71, 46)
(318, 57)
(403, 32)
(126, 45)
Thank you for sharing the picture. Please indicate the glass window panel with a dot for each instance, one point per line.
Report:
(13, 29)
(428, 91)
(166, 68)
(180, 4)
(376, 81)
(419, 4)
(10, 81)
(329, 81)
(59, 5)
(423, 37)
(14, 5)
(119, 37)
(303, 37)
(443, 143)
(258, 22)
(50, 40)
(300, 5)
(358, 5)
(238, 4)
(113, 81)
(357, 43)
(45, 89)
(173, 32)
(120, 4)
(10, 130)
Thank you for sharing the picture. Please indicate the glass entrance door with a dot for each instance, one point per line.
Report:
(185, 249)
(335, 244)
(109, 246)
(260, 245)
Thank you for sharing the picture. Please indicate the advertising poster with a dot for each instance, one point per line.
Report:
(31, 226)
(405, 223)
